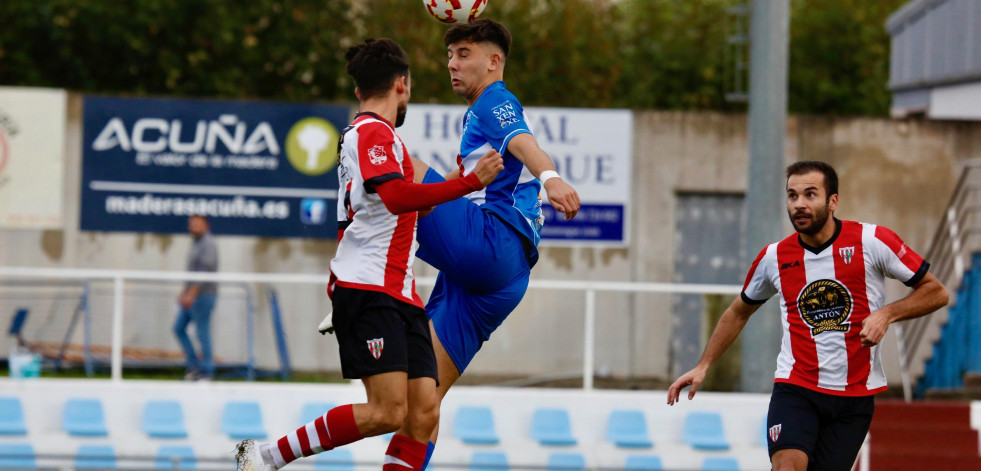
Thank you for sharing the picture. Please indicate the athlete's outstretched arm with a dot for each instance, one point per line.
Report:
(927, 296)
(730, 325)
(562, 196)
(400, 196)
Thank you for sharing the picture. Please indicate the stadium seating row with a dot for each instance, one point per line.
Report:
(21, 456)
(192, 426)
(473, 425)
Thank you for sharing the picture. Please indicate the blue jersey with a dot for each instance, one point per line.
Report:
(515, 195)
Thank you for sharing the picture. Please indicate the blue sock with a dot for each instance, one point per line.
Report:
(430, 447)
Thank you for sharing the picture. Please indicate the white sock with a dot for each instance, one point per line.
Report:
(267, 456)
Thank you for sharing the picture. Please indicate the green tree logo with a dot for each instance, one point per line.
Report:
(311, 146)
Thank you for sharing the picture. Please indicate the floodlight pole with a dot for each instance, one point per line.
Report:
(764, 213)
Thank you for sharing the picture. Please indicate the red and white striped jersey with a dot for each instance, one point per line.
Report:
(376, 248)
(825, 294)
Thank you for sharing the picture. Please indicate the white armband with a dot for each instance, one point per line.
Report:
(546, 175)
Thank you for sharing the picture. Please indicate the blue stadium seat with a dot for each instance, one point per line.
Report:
(242, 419)
(552, 427)
(489, 461)
(11, 417)
(628, 428)
(643, 463)
(83, 417)
(181, 456)
(338, 459)
(720, 464)
(17, 456)
(312, 410)
(475, 425)
(566, 462)
(164, 419)
(703, 431)
(95, 457)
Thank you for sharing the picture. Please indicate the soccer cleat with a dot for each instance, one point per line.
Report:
(248, 457)
(327, 325)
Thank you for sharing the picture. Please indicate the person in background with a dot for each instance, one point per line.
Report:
(197, 300)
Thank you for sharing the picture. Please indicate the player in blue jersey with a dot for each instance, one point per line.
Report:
(485, 244)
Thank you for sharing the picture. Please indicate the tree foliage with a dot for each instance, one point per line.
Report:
(663, 54)
(839, 56)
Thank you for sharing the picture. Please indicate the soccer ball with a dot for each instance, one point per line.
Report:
(453, 11)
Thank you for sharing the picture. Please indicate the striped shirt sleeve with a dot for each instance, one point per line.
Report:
(759, 286)
(896, 259)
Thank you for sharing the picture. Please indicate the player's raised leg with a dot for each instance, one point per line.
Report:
(384, 412)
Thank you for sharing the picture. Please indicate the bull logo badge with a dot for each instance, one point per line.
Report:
(825, 306)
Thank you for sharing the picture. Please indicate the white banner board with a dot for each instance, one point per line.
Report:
(591, 149)
(32, 146)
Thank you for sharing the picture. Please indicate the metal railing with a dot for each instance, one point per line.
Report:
(64, 331)
(119, 278)
(954, 241)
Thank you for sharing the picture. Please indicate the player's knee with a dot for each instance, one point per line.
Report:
(425, 415)
(390, 416)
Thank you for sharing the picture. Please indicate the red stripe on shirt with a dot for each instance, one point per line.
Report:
(396, 268)
(911, 259)
(851, 274)
(400, 246)
(792, 282)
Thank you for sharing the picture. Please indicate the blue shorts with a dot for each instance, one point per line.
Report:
(483, 275)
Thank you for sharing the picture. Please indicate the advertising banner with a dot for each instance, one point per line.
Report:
(591, 149)
(32, 147)
(254, 169)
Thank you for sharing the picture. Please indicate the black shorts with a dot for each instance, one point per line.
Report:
(377, 333)
(830, 429)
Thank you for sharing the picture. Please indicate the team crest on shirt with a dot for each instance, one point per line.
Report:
(377, 155)
(505, 114)
(775, 432)
(825, 306)
(375, 346)
(846, 253)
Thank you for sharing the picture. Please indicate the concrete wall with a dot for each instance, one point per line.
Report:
(897, 173)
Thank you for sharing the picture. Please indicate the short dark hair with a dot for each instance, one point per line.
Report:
(478, 31)
(808, 166)
(375, 64)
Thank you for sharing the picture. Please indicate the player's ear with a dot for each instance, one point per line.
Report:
(357, 93)
(496, 60)
(833, 203)
(401, 83)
